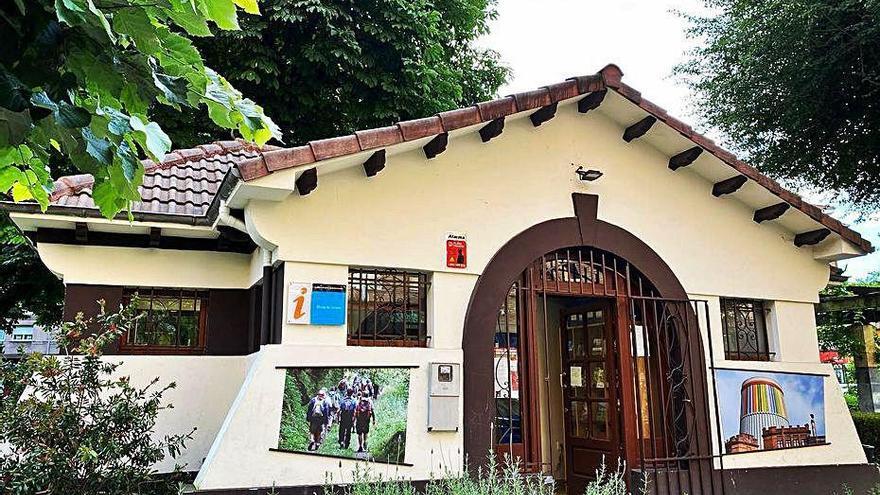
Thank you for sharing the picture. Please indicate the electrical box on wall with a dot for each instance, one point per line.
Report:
(444, 390)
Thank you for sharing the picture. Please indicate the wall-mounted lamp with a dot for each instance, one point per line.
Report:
(588, 175)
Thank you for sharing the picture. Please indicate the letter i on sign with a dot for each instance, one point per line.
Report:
(299, 303)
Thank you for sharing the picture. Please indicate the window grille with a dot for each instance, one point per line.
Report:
(745, 330)
(170, 320)
(387, 307)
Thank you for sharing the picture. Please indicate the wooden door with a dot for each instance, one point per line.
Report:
(590, 393)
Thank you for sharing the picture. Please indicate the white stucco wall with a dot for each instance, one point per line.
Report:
(105, 265)
(205, 388)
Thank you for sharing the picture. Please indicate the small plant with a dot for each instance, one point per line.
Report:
(71, 424)
(608, 482)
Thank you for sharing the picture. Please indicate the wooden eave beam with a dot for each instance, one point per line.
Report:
(155, 236)
(771, 212)
(728, 186)
(375, 163)
(685, 158)
(492, 130)
(591, 101)
(543, 114)
(639, 129)
(81, 232)
(307, 181)
(436, 145)
(810, 238)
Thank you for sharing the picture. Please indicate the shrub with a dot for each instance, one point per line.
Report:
(868, 427)
(496, 479)
(70, 424)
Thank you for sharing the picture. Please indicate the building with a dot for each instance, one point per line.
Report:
(764, 421)
(27, 337)
(762, 407)
(576, 231)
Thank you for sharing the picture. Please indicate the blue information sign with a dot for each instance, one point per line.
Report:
(328, 304)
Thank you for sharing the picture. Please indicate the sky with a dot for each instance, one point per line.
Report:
(547, 41)
(804, 395)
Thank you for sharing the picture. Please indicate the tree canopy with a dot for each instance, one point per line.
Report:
(81, 79)
(794, 85)
(324, 68)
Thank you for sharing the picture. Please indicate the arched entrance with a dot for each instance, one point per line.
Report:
(654, 407)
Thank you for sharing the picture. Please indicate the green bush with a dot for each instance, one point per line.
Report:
(868, 427)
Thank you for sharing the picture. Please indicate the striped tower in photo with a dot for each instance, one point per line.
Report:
(762, 406)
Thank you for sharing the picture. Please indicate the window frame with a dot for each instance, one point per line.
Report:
(357, 279)
(200, 294)
(760, 310)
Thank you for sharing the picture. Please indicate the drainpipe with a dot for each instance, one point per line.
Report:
(266, 248)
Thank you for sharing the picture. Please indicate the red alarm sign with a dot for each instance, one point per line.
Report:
(456, 250)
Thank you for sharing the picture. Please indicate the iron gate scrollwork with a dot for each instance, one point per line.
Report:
(670, 383)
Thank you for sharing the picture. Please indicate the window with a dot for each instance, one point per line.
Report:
(745, 330)
(23, 334)
(387, 307)
(171, 320)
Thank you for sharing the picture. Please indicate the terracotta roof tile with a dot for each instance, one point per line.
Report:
(187, 180)
(462, 117)
(379, 137)
(333, 147)
(530, 100)
(495, 109)
(420, 128)
(562, 91)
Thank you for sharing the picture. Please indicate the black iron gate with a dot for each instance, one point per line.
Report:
(670, 383)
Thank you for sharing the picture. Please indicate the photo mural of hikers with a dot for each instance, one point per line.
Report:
(358, 413)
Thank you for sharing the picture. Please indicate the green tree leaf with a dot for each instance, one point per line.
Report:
(222, 12)
(150, 137)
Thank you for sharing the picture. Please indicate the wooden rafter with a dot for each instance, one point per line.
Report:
(307, 181)
(375, 163)
(685, 158)
(810, 238)
(543, 114)
(639, 129)
(436, 145)
(492, 130)
(728, 186)
(771, 212)
(591, 101)
(81, 232)
(155, 236)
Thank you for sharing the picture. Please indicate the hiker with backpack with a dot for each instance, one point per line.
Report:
(363, 416)
(347, 408)
(317, 415)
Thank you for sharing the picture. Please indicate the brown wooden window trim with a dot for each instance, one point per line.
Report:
(364, 307)
(741, 321)
(149, 292)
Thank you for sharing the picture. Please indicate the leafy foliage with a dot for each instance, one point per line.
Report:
(27, 287)
(71, 424)
(868, 427)
(329, 67)
(795, 84)
(79, 80)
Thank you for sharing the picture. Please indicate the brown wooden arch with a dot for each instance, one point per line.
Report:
(584, 229)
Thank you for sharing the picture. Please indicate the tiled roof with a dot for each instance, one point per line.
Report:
(187, 180)
(609, 78)
(184, 183)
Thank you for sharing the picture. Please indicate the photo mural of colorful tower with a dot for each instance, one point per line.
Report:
(762, 406)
